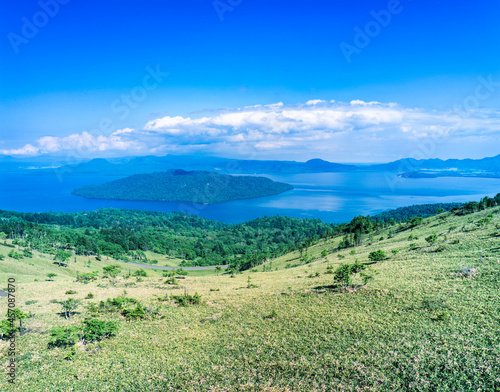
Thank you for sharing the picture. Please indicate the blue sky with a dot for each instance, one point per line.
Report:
(421, 64)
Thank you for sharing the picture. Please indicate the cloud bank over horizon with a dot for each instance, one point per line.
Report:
(356, 131)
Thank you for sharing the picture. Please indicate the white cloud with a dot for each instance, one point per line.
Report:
(28, 149)
(316, 128)
(314, 102)
(123, 131)
(363, 103)
(79, 144)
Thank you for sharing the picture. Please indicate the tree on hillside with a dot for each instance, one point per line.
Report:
(62, 256)
(377, 255)
(69, 306)
(7, 327)
(51, 276)
(112, 270)
(415, 221)
(345, 273)
(471, 207)
(359, 226)
(432, 239)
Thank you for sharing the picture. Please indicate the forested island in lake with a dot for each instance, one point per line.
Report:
(186, 186)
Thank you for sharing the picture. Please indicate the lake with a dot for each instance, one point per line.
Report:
(332, 197)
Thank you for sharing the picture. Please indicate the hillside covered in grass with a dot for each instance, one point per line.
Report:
(418, 310)
(188, 186)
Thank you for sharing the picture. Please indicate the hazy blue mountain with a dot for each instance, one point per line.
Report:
(125, 166)
(491, 165)
(145, 164)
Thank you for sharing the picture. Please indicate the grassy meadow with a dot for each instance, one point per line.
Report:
(421, 324)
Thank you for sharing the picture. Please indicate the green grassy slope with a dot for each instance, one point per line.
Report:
(418, 326)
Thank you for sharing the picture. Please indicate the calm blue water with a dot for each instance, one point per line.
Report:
(332, 197)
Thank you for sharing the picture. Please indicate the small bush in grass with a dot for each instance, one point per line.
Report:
(31, 302)
(395, 251)
(93, 308)
(15, 255)
(7, 329)
(116, 304)
(87, 277)
(273, 315)
(51, 276)
(95, 330)
(140, 273)
(186, 300)
(64, 336)
(413, 246)
(70, 354)
(172, 281)
(433, 304)
(377, 255)
(432, 239)
(71, 292)
(133, 314)
(89, 296)
(441, 316)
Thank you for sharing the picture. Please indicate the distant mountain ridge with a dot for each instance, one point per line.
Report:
(150, 164)
(184, 186)
(410, 164)
(485, 167)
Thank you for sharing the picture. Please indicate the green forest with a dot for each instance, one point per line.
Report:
(186, 186)
(126, 234)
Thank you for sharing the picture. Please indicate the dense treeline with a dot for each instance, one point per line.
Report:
(484, 203)
(127, 234)
(423, 210)
(188, 186)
